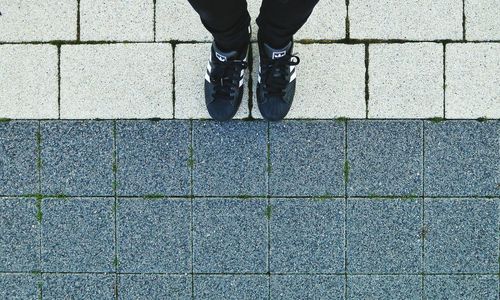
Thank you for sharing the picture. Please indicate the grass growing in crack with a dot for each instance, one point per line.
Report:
(482, 119)
(38, 205)
(244, 196)
(341, 119)
(324, 197)
(116, 263)
(115, 186)
(114, 167)
(347, 168)
(268, 212)
(5, 120)
(36, 272)
(436, 119)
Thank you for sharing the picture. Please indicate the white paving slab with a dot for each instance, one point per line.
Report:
(177, 20)
(473, 80)
(190, 68)
(116, 20)
(482, 19)
(410, 19)
(330, 82)
(28, 81)
(406, 80)
(35, 20)
(116, 81)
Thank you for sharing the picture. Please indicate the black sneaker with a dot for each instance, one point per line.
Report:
(276, 81)
(224, 82)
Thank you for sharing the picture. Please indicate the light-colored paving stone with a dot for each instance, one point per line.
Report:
(177, 20)
(116, 20)
(190, 68)
(473, 80)
(28, 81)
(116, 81)
(411, 19)
(33, 20)
(330, 82)
(482, 19)
(406, 80)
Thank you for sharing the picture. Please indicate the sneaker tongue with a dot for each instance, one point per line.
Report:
(276, 53)
(224, 56)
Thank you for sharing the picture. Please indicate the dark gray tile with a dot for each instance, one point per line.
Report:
(154, 287)
(19, 286)
(230, 158)
(237, 287)
(230, 235)
(78, 235)
(465, 287)
(154, 235)
(77, 158)
(78, 286)
(307, 158)
(462, 235)
(383, 235)
(461, 158)
(307, 235)
(384, 287)
(18, 158)
(299, 287)
(153, 157)
(19, 235)
(385, 158)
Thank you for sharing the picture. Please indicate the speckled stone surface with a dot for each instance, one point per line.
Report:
(16, 286)
(461, 158)
(298, 287)
(18, 158)
(77, 158)
(383, 235)
(234, 287)
(135, 286)
(78, 235)
(466, 287)
(230, 235)
(384, 287)
(153, 157)
(462, 235)
(229, 158)
(307, 235)
(385, 158)
(307, 158)
(19, 235)
(81, 286)
(154, 235)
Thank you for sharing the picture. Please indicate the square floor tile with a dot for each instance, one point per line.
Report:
(307, 158)
(154, 287)
(231, 287)
(153, 157)
(462, 235)
(462, 158)
(78, 235)
(468, 287)
(307, 235)
(385, 158)
(154, 235)
(298, 287)
(83, 286)
(384, 287)
(77, 158)
(16, 286)
(230, 236)
(383, 235)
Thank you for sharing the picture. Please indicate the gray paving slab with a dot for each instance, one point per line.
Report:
(461, 158)
(19, 235)
(153, 157)
(78, 286)
(230, 236)
(385, 158)
(154, 235)
(384, 287)
(383, 235)
(482, 22)
(18, 158)
(19, 287)
(469, 287)
(235, 287)
(230, 158)
(307, 158)
(462, 235)
(144, 286)
(77, 158)
(307, 236)
(78, 235)
(298, 287)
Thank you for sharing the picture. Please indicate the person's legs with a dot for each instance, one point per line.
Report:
(226, 20)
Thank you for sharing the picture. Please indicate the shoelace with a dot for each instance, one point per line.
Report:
(226, 77)
(276, 73)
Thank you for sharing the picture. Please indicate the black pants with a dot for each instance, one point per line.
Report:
(228, 20)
